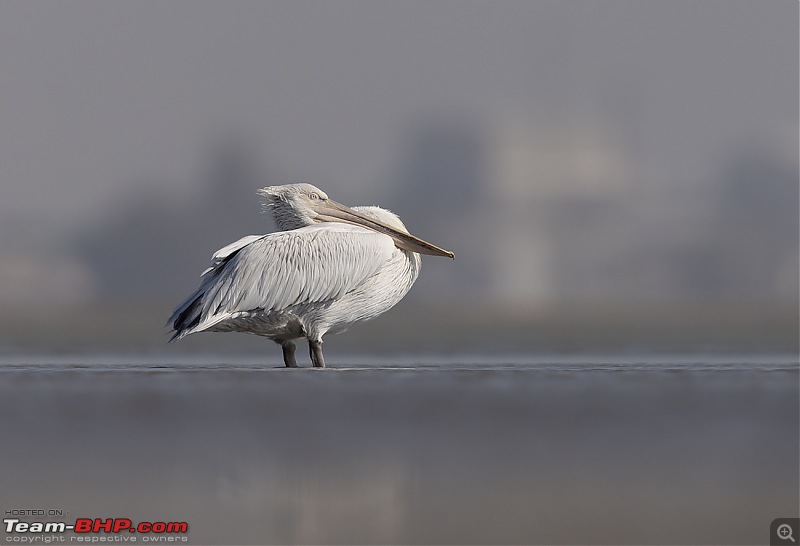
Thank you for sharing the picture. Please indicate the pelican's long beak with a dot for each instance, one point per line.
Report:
(332, 211)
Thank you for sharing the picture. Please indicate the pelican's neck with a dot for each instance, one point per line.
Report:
(286, 216)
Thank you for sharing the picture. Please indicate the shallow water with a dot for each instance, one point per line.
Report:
(409, 449)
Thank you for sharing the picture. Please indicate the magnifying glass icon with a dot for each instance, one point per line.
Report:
(785, 532)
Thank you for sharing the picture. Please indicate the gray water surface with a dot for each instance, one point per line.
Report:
(409, 449)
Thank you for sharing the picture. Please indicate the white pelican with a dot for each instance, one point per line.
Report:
(329, 267)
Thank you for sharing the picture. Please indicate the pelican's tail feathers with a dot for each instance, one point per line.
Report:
(192, 316)
(186, 317)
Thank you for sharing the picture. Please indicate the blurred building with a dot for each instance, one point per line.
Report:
(551, 191)
(540, 213)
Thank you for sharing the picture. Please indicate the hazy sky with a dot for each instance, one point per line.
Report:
(97, 98)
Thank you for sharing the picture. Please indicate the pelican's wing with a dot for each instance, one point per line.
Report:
(225, 253)
(275, 271)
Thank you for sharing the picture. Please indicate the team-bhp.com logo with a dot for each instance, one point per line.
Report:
(97, 525)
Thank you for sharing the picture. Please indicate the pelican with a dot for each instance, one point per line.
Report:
(328, 267)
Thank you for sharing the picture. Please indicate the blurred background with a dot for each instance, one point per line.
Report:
(612, 175)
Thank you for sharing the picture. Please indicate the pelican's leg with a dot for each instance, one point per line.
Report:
(315, 347)
(288, 354)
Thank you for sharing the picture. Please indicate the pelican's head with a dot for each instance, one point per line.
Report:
(298, 205)
(293, 205)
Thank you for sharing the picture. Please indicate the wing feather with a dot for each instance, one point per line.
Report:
(275, 271)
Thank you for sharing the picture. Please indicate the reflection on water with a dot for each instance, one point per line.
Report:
(409, 450)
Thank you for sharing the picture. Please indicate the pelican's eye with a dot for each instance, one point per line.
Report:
(314, 196)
